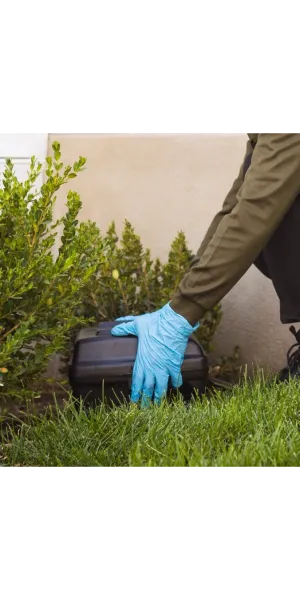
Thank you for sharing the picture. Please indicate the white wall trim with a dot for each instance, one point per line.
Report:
(20, 147)
(23, 145)
(16, 160)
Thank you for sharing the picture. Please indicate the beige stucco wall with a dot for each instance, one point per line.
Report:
(163, 183)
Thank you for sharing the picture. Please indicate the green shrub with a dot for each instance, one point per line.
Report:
(57, 276)
(130, 282)
(40, 281)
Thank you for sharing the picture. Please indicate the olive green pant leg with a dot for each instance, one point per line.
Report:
(228, 206)
(265, 197)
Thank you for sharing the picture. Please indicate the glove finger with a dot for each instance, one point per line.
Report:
(125, 329)
(125, 319)
(161, 387)
(148, 389)
(176, 379)
(137, 381)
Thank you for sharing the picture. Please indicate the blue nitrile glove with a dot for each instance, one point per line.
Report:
(163, 338)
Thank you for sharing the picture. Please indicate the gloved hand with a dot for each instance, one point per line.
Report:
(163, 338)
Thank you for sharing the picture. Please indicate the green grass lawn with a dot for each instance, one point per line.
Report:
(253, 425)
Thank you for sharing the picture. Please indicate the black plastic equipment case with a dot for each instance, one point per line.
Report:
(102, 366)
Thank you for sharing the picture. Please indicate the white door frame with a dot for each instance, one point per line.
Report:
(20, 147)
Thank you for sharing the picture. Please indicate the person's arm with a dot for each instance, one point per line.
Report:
(228, 206)
(271, 185)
